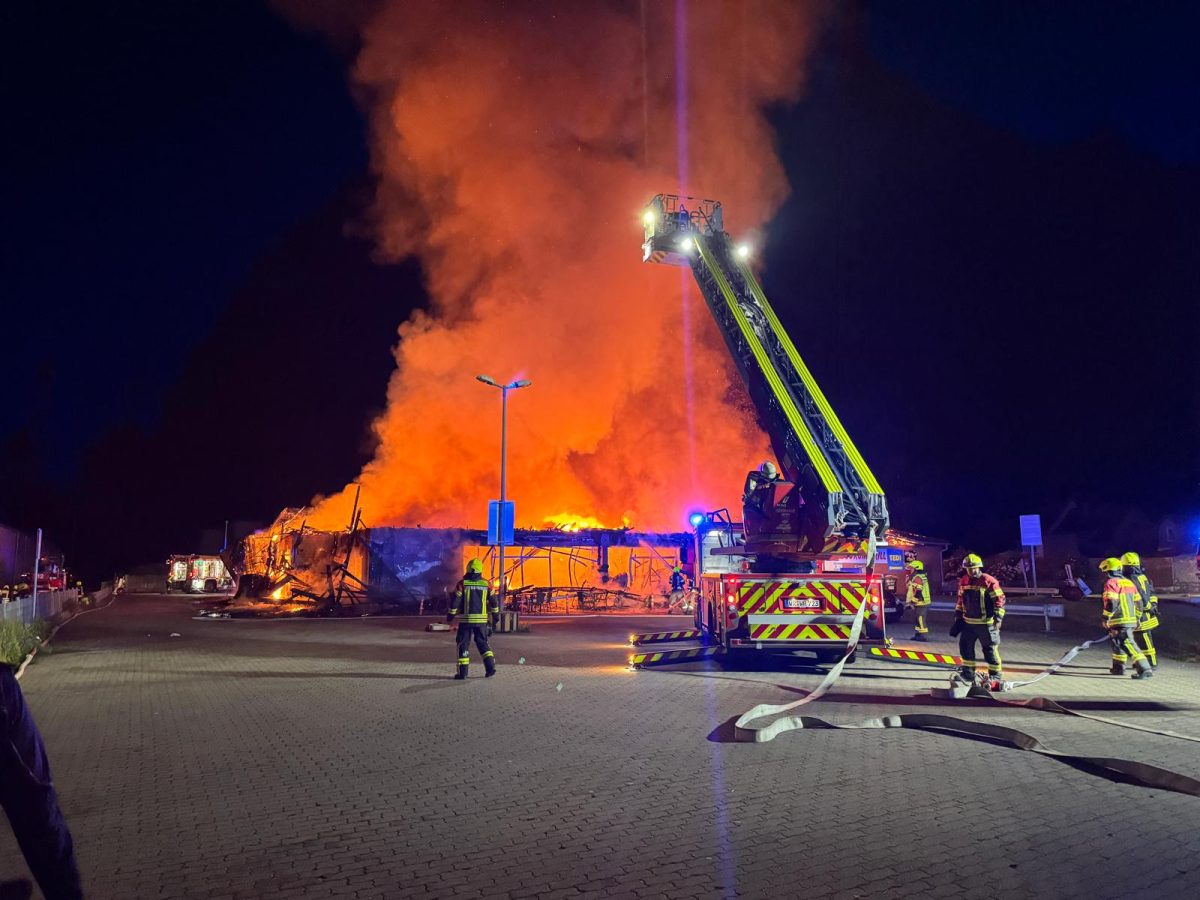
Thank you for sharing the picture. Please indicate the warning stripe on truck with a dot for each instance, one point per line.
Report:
(921, 656)
(840, 596)
(800, 632)
(661, 637)
(653, 657)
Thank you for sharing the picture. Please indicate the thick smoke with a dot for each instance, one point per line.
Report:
(515, 145)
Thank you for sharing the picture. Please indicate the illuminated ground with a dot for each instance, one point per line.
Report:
(313, 759)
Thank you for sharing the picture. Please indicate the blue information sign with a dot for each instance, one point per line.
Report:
(500, 532)
(1031, 531)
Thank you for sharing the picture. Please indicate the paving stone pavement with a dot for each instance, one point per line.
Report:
(293, 759)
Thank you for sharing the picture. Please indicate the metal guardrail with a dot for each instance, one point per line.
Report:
(1048, 611)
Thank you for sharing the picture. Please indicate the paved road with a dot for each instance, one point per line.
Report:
(318, 759)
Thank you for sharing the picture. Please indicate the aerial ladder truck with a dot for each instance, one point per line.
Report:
(810, 548)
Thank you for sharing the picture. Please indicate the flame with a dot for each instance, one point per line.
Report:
(573, 522)
(514, 151)
(277, 594)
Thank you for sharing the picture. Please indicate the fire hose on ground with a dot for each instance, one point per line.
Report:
(1114, 769)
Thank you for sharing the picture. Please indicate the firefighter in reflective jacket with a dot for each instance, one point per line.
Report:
(918, 597)
(978, 614)
(1120, 618)
(1147, 606)
(476, 603)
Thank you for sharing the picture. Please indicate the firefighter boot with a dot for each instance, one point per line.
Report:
(920, 638)
(461, 673)
(1143, 671)
(489, 665)
(1117, 669)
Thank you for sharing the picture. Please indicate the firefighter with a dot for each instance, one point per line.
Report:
(479, 607)
(1147, 606)
(1120, 618)
(978, 613)
(918, 598)
(678, 584)
(757, 482)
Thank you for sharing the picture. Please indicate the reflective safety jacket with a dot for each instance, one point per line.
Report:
(677, 581)
(918, 590)
(1120, 603)
(1147, 605)
(474, 601)
(980, 600)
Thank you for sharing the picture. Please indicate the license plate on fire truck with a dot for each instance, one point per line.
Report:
(801, 602)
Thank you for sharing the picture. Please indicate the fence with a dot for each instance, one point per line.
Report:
(48, 606)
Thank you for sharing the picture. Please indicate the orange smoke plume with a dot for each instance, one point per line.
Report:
(515, 146)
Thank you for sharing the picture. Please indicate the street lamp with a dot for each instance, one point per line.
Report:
(504, 389)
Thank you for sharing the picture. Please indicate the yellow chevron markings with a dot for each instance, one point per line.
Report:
(747, 603)
(779, 588)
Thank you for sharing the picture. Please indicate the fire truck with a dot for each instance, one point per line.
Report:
(195, 574)
(810, 549)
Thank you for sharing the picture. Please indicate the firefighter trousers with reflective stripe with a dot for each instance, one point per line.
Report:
(1124, 646)
(966, 648)
(1145, 642)
(467, 631)
(27, 795)
(921, 610)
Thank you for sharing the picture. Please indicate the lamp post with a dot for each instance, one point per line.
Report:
(504, 389)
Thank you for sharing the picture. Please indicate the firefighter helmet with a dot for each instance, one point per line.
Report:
(769, 470)
(915, 564)
(1131, 559)
(1112, 564)
(475, 567)
(972, 561)
(677, 569)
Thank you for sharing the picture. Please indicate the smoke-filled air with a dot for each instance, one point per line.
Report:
(515, 146)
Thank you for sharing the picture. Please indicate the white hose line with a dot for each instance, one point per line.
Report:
(1066, 658)
(1114, 769)
(742, 729)
(1120, 770)
(1047, 705)
(53, 631)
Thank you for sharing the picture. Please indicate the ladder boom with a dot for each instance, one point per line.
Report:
(841, 496)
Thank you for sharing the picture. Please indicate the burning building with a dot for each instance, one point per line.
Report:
(295, 568)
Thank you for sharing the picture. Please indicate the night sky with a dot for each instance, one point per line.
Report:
(994, 235)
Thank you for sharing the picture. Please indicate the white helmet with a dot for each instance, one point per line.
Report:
(768, 469)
